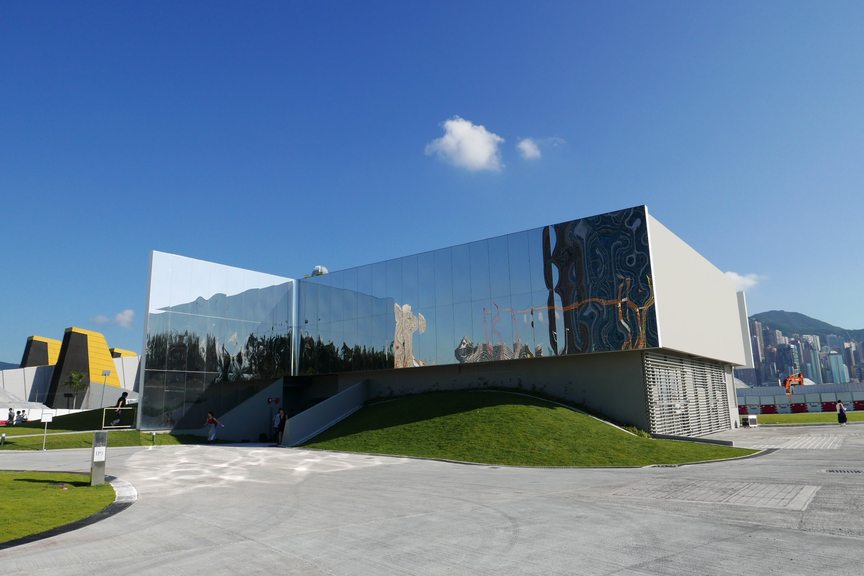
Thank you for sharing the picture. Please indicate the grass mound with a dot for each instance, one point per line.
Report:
(62, 498)
(503, 428)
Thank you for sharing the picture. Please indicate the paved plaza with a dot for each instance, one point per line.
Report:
(244, 509)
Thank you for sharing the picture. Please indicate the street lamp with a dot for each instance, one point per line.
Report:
(105, 374)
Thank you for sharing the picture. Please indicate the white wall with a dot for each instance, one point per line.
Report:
(27, 384)
(31, 384)
(697, 305)
(127, 370)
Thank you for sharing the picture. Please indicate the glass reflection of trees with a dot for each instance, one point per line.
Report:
(264, 357)
(319, 357)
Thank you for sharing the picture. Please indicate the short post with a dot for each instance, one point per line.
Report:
(3, 439)
(46, 418)
(97, 464)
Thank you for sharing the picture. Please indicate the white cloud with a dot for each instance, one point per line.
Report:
(743, 282)
(529, 149)
(468, 146)
(123, 319)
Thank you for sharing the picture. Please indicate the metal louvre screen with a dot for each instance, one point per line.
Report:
(686, 396)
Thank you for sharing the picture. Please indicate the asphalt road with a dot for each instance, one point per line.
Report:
(220, 510)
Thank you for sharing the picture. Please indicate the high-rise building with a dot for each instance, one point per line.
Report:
(837, 369)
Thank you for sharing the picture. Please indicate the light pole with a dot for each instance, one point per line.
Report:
(105, 374)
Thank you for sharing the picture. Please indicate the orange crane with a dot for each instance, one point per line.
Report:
(793, 379)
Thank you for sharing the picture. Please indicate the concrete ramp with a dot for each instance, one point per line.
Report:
(309, 423)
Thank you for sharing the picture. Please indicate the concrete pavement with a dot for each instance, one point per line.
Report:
(215, 510)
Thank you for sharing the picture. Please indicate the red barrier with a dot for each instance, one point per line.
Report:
(769, 409)
(742, 409)
(858, 405)
(829, 406)
(799, 407)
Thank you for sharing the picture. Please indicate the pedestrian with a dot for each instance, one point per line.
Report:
(841, 413)
(211, 424)
(121, 403)
(282, 419)
(10, 419)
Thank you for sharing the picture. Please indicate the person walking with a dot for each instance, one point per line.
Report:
(282, 417)
(841, 413)
(211, 424)
(121, 403)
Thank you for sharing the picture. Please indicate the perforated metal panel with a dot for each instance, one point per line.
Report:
(686, 396)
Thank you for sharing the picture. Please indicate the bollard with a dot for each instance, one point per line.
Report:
(154, 438)
(3, 439)
(97, 464)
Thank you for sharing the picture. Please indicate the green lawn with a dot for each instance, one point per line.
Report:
(503, 428)
(34, 502)
(808, 418)
(116, 438)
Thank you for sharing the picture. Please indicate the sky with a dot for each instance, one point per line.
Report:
(277, 136)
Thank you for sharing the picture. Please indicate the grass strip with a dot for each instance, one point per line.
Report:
(116, 438)
(808, 418)
(503, 428)
(34, 502)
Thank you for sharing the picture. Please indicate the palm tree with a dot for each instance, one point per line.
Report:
(77, 383)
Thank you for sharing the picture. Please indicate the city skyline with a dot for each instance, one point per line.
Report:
(271, 136)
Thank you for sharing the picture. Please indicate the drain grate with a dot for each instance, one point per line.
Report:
(844, 471)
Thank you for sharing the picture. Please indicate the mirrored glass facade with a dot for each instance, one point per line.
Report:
(571, 288)
(216, 335)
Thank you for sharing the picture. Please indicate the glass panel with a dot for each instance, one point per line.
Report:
(424, 341)
(520, 266)
(348, 279)
(499, 267)
(501, 329)
(337, 308)
(379, 279)
(153, 413)
(364, 279)
(443, 277)
(410, 289)
(364, 306)
(157, 342)
(425, 352)
(394, 280)
(445, 342)
(545, 326)
(463, 328)
(536, 259)
(426, 279)
(479, 251)
(461, 262)
(522, 316)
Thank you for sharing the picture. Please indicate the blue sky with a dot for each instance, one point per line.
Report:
(280, 135)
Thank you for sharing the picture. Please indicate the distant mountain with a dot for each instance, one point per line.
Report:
(7, 365)
(795, 323)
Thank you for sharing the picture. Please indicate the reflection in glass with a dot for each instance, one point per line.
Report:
(443, 277)
(461, 273)
(479, 269)
(426, 279)
(222, 333)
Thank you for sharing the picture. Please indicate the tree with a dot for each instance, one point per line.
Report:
(77, 383)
